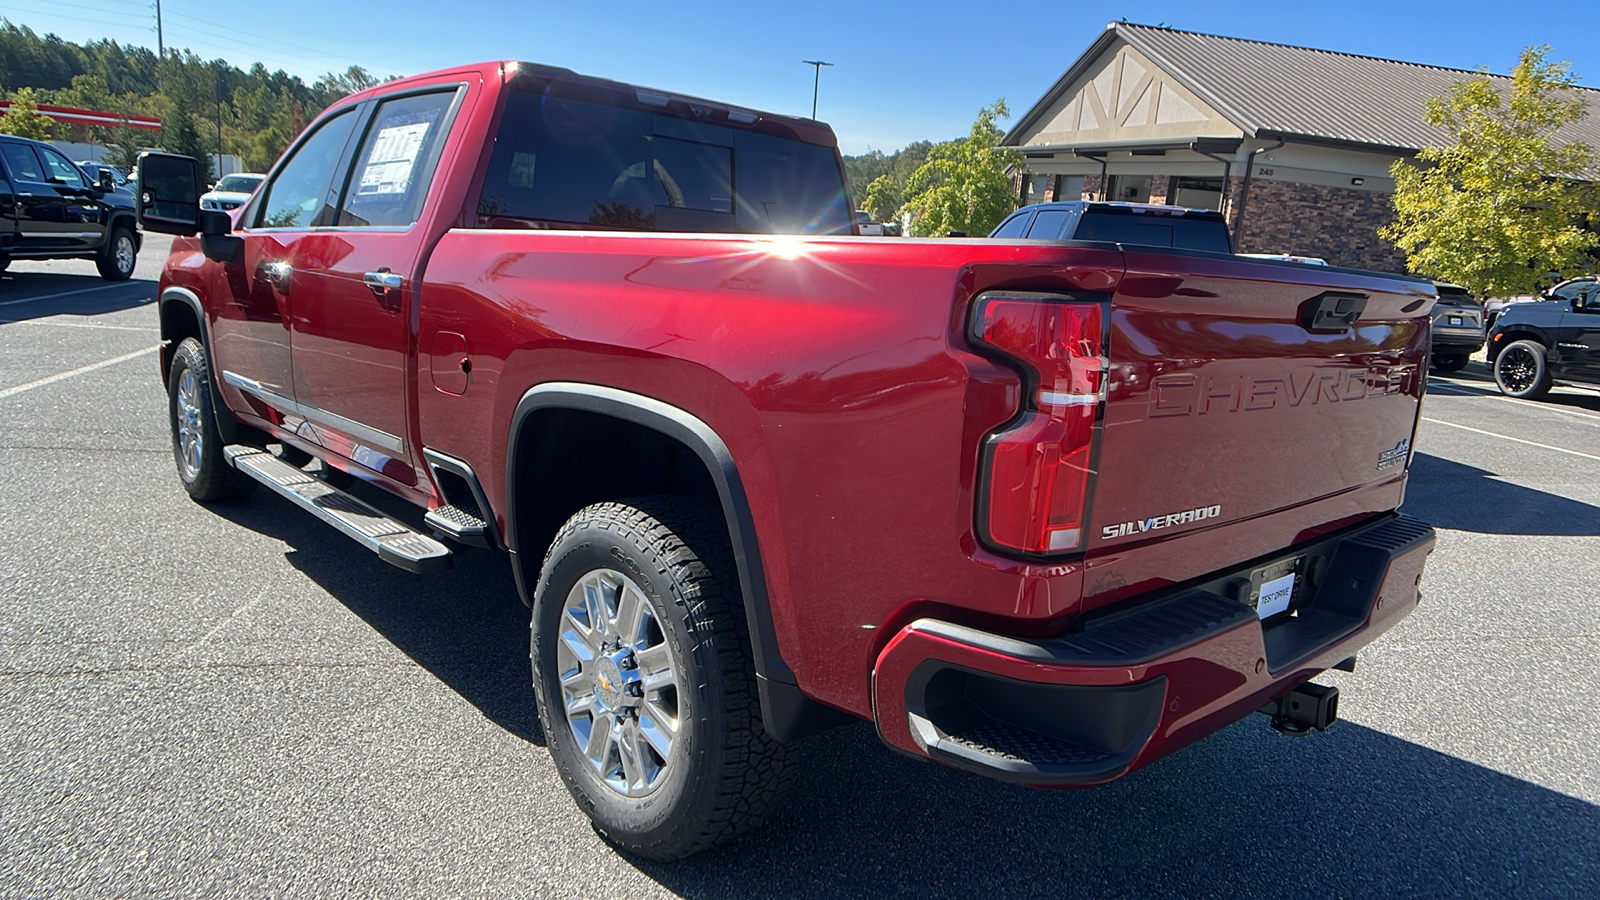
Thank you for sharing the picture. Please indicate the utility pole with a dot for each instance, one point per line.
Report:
(218, 170)
(815, 84)
(161, 44)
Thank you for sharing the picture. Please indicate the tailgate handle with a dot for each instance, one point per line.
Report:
(1332, 312)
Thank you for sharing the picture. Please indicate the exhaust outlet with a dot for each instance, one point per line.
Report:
(1307, 707)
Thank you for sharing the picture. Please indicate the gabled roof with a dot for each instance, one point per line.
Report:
(1277, 90)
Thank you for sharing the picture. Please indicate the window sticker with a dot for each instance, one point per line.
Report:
(393, 157)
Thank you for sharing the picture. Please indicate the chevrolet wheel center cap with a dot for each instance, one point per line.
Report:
(608, 683)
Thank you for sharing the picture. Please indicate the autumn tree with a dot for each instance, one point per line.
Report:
(1506, 201)
(965, 184)
(23, 118)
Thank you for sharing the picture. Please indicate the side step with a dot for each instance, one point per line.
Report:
(393, 542)
(459, 524)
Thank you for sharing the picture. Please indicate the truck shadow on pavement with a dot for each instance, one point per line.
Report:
(1355, 812)
(1244, 813)
(37, 295)
(466, 626)
(1448, 494)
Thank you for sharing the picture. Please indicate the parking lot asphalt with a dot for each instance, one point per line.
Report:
(236, 701)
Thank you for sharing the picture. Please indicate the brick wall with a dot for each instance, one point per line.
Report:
(1091, 188)
(1160, 189)
(1336, 223)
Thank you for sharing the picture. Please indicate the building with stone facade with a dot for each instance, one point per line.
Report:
(1293, 144)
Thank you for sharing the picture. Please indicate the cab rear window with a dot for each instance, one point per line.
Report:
(1154, 231)
(571, 163)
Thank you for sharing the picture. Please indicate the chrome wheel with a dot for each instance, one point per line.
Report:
(123, 253)
(619, 682)
(186, 425)
(1518, 368)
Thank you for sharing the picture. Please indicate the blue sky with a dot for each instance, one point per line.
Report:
(902, 71)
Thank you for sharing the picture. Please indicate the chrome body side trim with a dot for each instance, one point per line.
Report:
(365, 434)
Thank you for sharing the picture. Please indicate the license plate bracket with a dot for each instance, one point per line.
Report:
(1272, 588)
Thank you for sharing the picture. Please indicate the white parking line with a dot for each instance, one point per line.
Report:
(70, 293)
(55, 323)
(1462, 390)
(1507, 437)
(62, 376)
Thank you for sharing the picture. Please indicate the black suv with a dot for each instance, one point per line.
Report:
(1122, 223)
(49, 209)
(1534, 344)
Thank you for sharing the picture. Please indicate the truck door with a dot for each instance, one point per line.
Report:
(55, 209)
(8, 212)
(1580, 335)
(85, 212)
(256, 297)
(353, 288)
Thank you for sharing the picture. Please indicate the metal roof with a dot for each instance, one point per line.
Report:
(1277, 90)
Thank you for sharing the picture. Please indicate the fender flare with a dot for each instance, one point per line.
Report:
(131, 221)
(788, 714)
(231, 430)
(184, 297)
(1518, 331)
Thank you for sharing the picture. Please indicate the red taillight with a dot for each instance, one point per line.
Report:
(1038, 470)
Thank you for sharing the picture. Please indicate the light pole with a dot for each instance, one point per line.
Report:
(817, 82)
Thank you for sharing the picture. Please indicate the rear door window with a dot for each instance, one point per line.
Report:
(396, 161)
(1048, 224)
(1014, 227)
(23, 164)
(579, 164)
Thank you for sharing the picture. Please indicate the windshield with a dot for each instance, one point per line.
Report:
(239, 184)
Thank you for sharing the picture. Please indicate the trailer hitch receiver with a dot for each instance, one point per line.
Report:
(1307, 707)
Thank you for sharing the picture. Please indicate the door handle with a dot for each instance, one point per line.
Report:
(276, 273)
(383, 281)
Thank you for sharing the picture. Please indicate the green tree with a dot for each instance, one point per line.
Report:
(353, 79)
(23, 118)
(884, 197)
(965, 184)
(1506, 202)
(180, 135)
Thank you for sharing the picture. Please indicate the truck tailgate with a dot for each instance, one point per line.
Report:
(1230, 398)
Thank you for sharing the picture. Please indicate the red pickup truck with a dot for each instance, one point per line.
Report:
(1044, 511)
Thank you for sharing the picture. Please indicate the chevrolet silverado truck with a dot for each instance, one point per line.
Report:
(50, 209)
(1044, 511)
(1556, 338)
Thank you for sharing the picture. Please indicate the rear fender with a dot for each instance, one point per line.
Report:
(788, 714)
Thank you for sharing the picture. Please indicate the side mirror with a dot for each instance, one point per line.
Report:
(169, 193)
(107, 183)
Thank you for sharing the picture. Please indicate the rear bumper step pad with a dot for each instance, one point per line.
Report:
(392, 541)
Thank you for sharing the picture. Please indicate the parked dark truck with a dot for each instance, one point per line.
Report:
(1042, 511)
(51, 209)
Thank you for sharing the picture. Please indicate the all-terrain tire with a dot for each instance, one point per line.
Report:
(723, 772)
(119, 256)
(1521, 370)
(196, 444)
